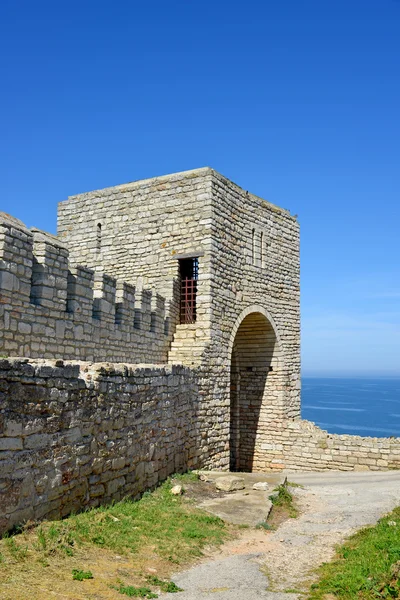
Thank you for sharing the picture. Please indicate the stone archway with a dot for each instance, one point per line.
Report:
(255, 388)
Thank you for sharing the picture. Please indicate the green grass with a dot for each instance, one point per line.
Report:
(165, 586)
(159, 519)
(293, 484)
(366, 567)
(136, 592)
(284, 499)
(15, 550)
(159, 525)
(80, 575)
(185, 477)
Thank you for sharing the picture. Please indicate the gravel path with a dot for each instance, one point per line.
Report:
(267, 565)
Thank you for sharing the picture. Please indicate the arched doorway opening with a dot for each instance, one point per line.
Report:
(254, 374)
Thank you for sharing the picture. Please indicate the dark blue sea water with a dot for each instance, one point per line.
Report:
(367, 407)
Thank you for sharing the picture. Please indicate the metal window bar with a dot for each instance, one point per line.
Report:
(189, 271)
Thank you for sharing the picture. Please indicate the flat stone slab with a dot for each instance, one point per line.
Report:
(240, 508)
(246, 506)
(273, 479)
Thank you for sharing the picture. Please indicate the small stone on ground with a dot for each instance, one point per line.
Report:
(261, 485)
(230, 483)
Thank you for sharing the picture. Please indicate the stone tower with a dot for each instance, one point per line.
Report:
(227, 264)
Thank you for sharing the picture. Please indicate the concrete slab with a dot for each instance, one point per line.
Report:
(243, 507)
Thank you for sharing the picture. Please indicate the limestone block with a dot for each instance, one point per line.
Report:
(24, 328)
(229, 483)
(10, 443)
(114, 485)
(13, 428)
(36, 441)
(8, 281)
(97, 491)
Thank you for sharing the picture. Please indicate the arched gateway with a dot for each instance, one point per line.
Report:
(255, 389)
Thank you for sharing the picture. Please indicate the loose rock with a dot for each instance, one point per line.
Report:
(261, 485)
(230, 483)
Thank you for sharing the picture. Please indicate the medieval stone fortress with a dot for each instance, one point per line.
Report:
(159, 331)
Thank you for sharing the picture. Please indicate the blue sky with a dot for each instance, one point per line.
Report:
(295, 100)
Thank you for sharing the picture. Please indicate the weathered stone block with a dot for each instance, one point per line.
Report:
(114, 485)
(229, 483)
(36, 441)
(10, 443)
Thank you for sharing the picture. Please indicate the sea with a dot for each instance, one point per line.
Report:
(359, 406)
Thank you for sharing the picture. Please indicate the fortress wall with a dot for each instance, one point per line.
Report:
(300, 445)
(254, 264)
(78, 435)
(50, 308)
(137, 232)
(258, 259)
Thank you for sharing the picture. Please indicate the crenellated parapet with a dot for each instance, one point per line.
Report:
(50, 308)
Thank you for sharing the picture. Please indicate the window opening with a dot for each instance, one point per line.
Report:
(253, 234)
(166, 326)
(189, 274)
(262, 249)
(98, 236)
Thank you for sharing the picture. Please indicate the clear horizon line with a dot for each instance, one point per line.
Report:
(330, 375)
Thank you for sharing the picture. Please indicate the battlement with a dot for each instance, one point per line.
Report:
(52, 308)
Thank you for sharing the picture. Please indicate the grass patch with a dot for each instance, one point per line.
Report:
(283, 499)
(165, 586)
(176, 529)
(292, 484)
(81, 575)
(188, 477)
(366, 567)
(283, 506)
(136, 592)
(159, 530)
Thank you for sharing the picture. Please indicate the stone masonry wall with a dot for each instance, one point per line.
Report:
(139, 230)
(300, 445)
(254, 268)
(52, 308)
(77, 435)
(257, 263)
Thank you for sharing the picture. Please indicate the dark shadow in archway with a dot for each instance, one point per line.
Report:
(251, 386)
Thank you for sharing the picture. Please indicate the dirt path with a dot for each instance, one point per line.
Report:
(262, 564)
